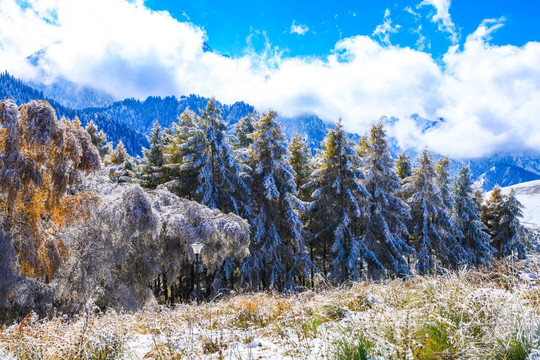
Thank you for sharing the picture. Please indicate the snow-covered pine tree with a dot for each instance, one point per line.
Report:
(153, 171)
(206, 153)
(278, 256)
(243, 128)
(182, 139)
(300, 159)
(403, 166)
(491, 210)
(466, 214)
(501, 215)
(119, 155)
(443, 180)
(99, 139)
(339, 202)
(362, 146)
(385, 222)
(434, 233)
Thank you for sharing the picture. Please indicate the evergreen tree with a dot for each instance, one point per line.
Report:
(339, 201)
(466, 214)
(363, 145)
(154, 155)
(153, 171)
(243, 129)
(443, 180)
(403, 166)
(207, 155)
(99, 139)
(491, 210)
(278, 256)
(385, 228)
(501, 215)
(300, 160)
(434, 233)
(184, 138)
(119, 155)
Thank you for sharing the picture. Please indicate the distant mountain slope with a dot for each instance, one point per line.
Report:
(528, 193)
(15, 89)
(141, 115)
(72, 95)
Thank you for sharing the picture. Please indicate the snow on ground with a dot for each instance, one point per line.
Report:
(528, 193)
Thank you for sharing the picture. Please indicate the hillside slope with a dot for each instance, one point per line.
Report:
(528, 193)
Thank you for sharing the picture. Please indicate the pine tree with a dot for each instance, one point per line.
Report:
(154, 155)
(205, 154)
(434, 233)
(443, 180)
(300, 160)
(385, 227)
(466, 214)
(339, 202)
(99, 139)
(403, 166)
(363, 145)
(278, 256)
(491, 210)
(184, 137)
(243, 129)
(119, 155)
(501, 215)
(153, 171)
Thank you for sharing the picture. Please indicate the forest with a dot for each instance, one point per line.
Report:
(83, 220)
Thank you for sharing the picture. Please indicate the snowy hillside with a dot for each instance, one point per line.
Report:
(528, 193)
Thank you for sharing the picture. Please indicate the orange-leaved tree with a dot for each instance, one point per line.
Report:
(42, 159)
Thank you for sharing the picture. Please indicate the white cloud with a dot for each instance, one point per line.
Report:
(416, 15)
(383, 31)
(442, 17)
(489, 95)
(299, 29)
(422, 42)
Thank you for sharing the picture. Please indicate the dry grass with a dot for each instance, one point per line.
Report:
(491, 314)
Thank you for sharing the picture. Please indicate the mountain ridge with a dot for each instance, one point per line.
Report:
(131, 120)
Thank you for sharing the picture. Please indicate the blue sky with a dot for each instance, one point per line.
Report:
(235, 26)
(474, 63)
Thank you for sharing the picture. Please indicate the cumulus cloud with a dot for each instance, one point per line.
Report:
(488, 95)
(442, 17)
(299, 29)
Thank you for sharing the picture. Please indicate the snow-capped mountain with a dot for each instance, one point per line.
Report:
(130, 120)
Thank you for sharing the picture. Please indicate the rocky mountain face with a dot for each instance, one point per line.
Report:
(130, 120)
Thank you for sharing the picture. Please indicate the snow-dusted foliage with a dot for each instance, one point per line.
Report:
(385, 229)
(243, 128)
(403, 166)
(278, 255)
(434, 233)
(203, 158)
(119, 154)
(301, 161)
(339, 203)
(41, 159)
(466, 214)
(133, 236)
(443, 180)
(153, 173)
(501, 215)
